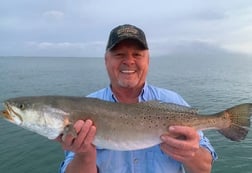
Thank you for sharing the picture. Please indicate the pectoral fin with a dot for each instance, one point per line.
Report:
(69, 130)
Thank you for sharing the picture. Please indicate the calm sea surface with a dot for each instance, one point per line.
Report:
(208, 84)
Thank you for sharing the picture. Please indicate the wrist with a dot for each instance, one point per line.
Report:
(87, 157)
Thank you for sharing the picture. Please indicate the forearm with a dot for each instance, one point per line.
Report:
(83, 163)
(200, 163)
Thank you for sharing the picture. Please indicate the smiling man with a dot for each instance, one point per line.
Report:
(127, 62)
(127, 65)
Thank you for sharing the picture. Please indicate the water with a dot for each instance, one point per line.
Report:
(209, 84)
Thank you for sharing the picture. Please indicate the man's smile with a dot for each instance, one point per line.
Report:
(128, 71)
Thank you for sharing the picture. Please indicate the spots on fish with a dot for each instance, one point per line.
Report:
(153, 121)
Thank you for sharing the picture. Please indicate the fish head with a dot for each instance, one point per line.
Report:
(13, 112)
(36, 115)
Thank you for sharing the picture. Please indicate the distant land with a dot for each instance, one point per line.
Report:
(189, 49)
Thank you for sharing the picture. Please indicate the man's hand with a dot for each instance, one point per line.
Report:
(182, 144)
(83, 142)
(85, 152)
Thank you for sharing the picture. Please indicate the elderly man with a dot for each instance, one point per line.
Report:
(127, 63)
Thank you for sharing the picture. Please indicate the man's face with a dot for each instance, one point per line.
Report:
(127, 64)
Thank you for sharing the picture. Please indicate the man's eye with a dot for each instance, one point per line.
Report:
(138, 55)
(119, 55)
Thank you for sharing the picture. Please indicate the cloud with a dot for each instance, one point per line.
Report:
(53, 14)
(244, 47)
(185, 47)
(240, 40)
(82, 27)
(61, 45)
(66, 48)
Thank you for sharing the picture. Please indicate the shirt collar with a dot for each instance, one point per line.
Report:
(141, 97)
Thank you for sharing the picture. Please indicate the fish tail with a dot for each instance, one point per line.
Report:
(239, 116)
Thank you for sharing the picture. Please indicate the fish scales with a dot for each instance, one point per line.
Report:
(120, 126)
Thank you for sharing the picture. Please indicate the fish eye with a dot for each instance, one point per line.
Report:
(21, 106)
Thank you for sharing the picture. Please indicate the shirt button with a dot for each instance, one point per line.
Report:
(135, 161)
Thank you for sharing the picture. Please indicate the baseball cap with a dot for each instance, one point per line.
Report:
(123, 32)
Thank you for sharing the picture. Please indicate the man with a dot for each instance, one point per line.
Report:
(127, 62)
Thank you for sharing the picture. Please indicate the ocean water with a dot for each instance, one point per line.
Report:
(209, 84)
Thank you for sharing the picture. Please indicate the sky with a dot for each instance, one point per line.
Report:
(81, 27)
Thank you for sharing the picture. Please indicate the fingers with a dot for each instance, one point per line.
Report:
(180, 148)
(82, 129)
(176, 154)
(90, 136)
(85, 135)
(69, 139)
(181, 137)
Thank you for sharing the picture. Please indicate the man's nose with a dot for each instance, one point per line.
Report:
(129, 59)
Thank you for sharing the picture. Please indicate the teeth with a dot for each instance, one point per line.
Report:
(128, 71)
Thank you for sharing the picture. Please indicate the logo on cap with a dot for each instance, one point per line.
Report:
(127, 31)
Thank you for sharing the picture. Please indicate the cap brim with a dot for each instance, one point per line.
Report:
(128, 38)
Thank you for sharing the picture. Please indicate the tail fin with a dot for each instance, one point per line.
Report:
(240, 116)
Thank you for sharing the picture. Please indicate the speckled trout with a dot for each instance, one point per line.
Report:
(120, 126)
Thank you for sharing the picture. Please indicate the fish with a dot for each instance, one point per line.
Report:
(120, 126)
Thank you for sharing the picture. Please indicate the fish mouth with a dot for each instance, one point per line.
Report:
(10, 115)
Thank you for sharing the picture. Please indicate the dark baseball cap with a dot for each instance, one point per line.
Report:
(123, 32)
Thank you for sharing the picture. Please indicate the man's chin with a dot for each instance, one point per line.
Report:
(127, 84)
